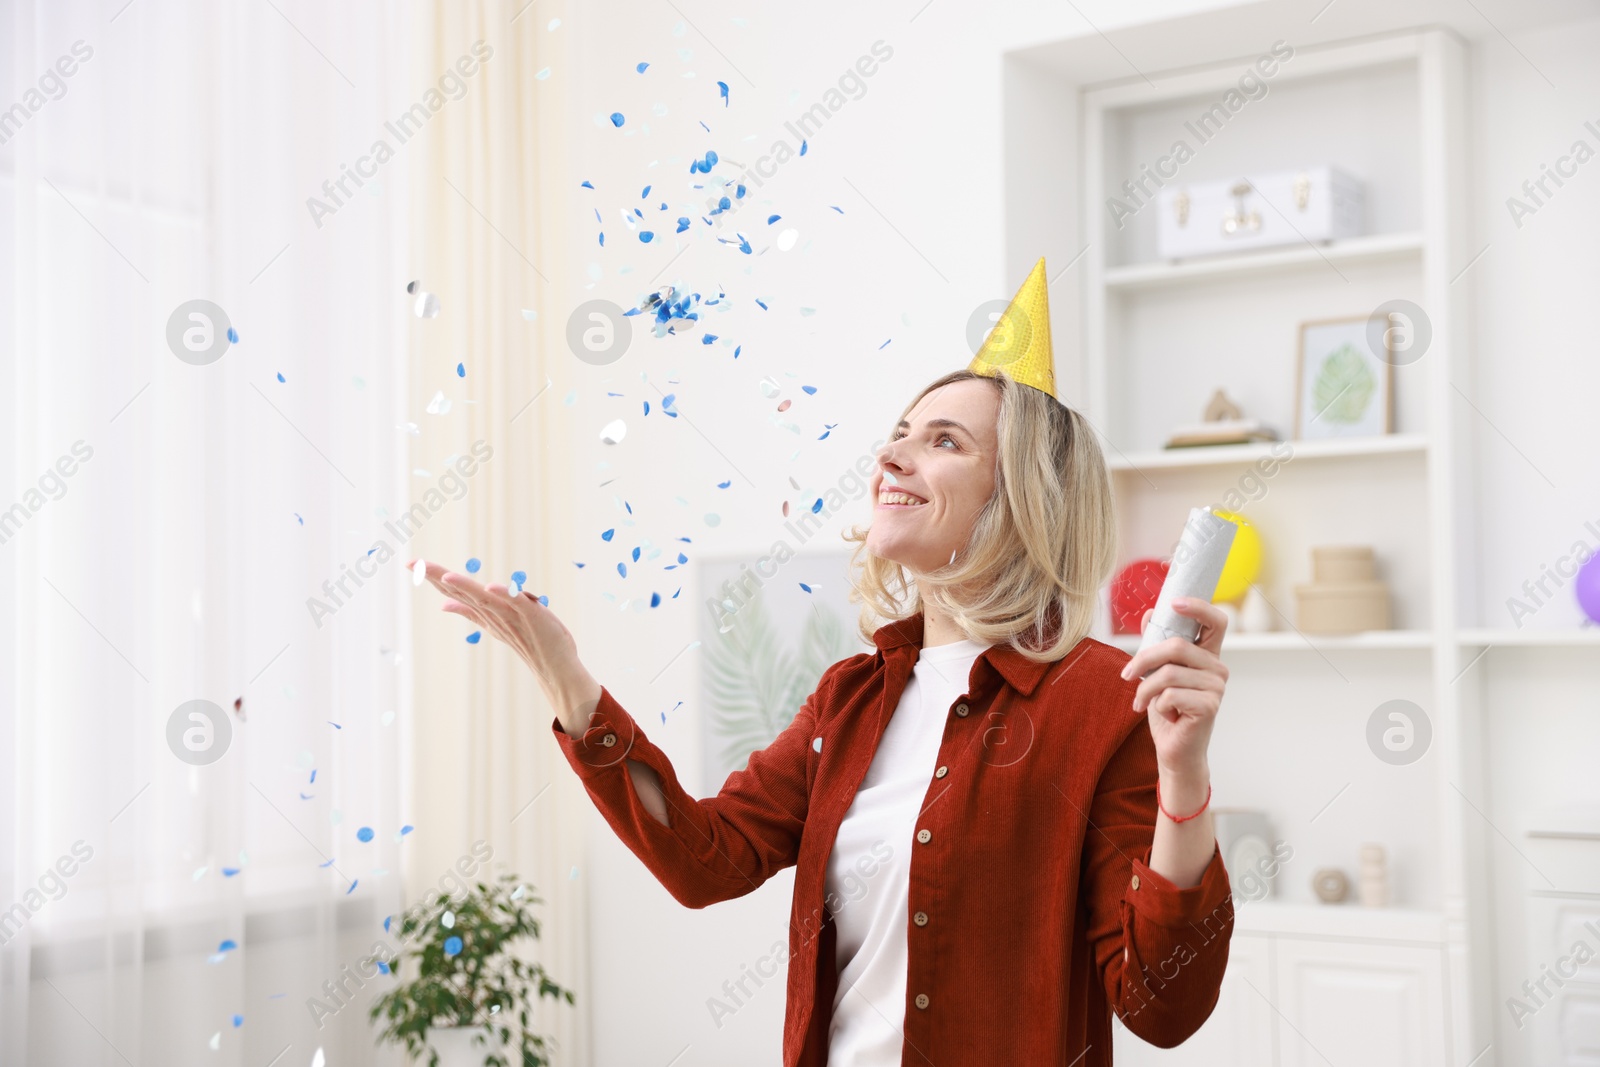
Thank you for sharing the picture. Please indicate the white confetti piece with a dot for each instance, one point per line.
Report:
(614, 431)
(419, 574)
(787, 238)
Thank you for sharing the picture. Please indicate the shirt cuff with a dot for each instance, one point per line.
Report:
(1160, 901)
(604, 743)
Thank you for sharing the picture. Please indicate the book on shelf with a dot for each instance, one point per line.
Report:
(1221, 432)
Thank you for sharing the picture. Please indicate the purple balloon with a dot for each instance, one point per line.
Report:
(1588, 588)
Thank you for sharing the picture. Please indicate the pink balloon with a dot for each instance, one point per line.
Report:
(1588, 588)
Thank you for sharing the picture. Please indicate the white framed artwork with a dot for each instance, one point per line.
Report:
(1342, 387)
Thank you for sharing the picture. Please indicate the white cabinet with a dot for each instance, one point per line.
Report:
(1293, 998)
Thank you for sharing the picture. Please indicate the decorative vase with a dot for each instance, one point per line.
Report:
(458, 1045)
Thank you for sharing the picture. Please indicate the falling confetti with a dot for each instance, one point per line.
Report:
(787, 239)
(452, 945)
(642, 67)
(426, 306)
(364, 834)
(722, 87)
(419, 572)
(461, 370)
(281, 378)
(233, 336)
(617, 119)
(613, 432)
(474, 565)
(474, 637)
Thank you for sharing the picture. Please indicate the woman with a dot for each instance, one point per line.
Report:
(1001, 834)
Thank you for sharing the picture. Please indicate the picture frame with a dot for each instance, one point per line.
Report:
(1342, 387)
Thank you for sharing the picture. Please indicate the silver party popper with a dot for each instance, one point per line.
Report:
(1195, 568)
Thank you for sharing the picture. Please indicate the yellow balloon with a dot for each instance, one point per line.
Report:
(1243, 563)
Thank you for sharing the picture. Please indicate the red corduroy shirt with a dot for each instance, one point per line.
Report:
(1029, 859)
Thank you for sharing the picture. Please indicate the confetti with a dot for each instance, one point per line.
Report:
(427, 306)
(529, 315)
(364, 834)
(554, 24)
(646, 236)
(419, 572)
(683, 223)
(809, 390)
(216, 1041)
(474, 637)
(238, 1021)
(642, 67)
(586, 185)
(802, 148)
(544, 72)
(452, 946)
(617, 119)
(613, 432)
(352, 888)
(448, 920)
(722, 87)
(519, 577)
(607, 535)
(318, 1059)
(773, 218)
(474, 565)
(406, 829)
(708, 339)
(787, 239)
(281, 378)
(297, 517)
(233, 336)
(461, 370)
(622, 569)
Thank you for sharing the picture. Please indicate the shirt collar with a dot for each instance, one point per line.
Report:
(1020, 672)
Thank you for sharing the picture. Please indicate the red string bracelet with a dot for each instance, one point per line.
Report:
(1180, 818)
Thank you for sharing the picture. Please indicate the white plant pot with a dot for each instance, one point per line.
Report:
(458, 1046)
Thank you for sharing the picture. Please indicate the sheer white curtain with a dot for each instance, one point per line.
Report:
(163, 523)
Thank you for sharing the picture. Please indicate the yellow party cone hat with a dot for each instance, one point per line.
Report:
(1020, 340)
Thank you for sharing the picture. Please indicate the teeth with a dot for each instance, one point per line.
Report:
(898, 498)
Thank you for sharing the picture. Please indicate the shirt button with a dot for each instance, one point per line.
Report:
(922, 1000)
(924, 836)
(920, 918)
(941, 772)
(961, 710)
(1136, 881)
(608, 740)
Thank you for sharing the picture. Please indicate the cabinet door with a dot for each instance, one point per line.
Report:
(1359, 1002)
(1239, 1032)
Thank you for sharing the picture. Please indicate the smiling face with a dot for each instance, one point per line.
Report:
(942, 454)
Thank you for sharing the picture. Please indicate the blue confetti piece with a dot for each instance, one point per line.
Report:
(737, 350)
(884, 345)
(709, 339)
(545, 600)
(646, 236)
(313, 776)
(809, 390)
(307, 796)
(474, 637)
(227, 946)
(744, 244)
(644, 194)
(406, 829)
(622, 569)
(738, 193)
(281, 378)
(602, 239)
(474, 565)
(233, 336)
(383, 967)
(683, 223)
(617, 119)
(352, 888)
(461, 370)
(770, 220)
(386, 920)
(452, 946)
(636, 553)
(333, 724)
(802, 148)
(817, 507)
(637, 212)
(724, 485)
(837, 208)
(676, 592)
(682, 558)
(328, 864)
(607, 535)
(238, 1021)
(762, 303)
(806, 587)
(520, 577)
(597, 217)
(300, 520)
(587, 185)
(628, 506)
(722, 87)
(642, 67)
(655, 600)
(229, 872)
(364, 834)
(724, 204)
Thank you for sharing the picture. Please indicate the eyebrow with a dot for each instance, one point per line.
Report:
(904, 425)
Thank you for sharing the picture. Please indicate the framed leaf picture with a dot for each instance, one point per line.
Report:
(1343, 388)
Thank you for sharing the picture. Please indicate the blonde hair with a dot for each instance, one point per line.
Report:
(1041, 548)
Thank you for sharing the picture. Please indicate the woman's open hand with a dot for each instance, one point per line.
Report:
(531, 629)
(1183, 688)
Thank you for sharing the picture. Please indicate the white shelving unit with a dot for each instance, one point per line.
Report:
(1157, 338)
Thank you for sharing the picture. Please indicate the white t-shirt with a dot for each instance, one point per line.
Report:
(869, 871)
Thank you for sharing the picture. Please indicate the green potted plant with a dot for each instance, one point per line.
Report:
(464, 996)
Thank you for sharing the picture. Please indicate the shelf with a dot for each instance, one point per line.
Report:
(1291, 641)
(1341, 921)
(1589, 638)
(1374, 249)
(1230, 455)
